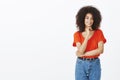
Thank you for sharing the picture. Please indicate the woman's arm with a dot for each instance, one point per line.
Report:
(97, 51)
(81, 48)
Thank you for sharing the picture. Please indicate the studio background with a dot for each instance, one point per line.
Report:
(36, 38)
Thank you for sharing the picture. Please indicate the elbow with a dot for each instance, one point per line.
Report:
(81, 52)
(100, 51)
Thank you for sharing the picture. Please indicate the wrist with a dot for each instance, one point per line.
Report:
(86, 38)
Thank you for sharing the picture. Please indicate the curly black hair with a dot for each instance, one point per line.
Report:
(81, 16)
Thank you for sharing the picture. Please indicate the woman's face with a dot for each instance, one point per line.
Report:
(88, 20)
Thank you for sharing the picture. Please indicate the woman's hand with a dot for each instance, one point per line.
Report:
(87, 30)
(78, 54)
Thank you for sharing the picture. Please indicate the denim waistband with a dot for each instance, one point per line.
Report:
(89, 59)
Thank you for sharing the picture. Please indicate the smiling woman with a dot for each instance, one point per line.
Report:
(89, 40)
(89, 20)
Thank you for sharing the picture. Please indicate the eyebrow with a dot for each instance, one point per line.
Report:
(88, 16)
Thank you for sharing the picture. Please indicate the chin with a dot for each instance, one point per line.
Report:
(89, 25)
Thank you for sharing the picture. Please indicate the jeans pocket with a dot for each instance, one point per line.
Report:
(98, 64)
(79, 61)
(98, 61)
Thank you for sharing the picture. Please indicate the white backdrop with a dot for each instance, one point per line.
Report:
(36, 38)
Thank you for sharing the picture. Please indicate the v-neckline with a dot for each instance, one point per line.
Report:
(90, 37)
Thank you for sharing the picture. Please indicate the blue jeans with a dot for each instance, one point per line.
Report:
(88, 69)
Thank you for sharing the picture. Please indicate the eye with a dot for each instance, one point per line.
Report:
(86, 17)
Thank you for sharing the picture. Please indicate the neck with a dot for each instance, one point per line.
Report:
(90, 28)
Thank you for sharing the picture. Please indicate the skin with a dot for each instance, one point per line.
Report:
(87, 34)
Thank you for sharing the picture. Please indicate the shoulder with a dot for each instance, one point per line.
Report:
(77, 33)
(99, 31)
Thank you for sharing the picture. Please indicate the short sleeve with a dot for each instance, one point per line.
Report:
(101, 36)
(77, 38)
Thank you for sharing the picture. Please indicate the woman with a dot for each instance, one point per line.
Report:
(89, 40)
